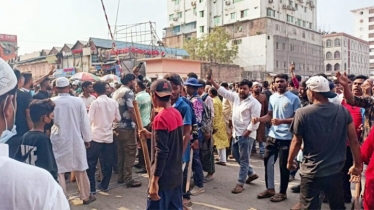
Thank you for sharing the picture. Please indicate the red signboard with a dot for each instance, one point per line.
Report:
(8, 46)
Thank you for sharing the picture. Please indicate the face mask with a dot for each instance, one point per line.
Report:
(32, 92)
(7, 134)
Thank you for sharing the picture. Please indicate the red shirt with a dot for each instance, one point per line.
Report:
(367, 153)
(356, 116)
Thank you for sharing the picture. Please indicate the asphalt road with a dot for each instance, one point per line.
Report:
(217, 194)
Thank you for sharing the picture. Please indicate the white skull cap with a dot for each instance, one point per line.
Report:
(8, 79)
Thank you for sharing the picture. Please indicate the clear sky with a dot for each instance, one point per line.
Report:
(42, 24)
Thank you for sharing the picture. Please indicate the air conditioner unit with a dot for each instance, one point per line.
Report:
(227, 2)
(175, 18)
(311, 4)
(171, 25)
(240, 29)
(214, 1)
(271, 1)
(284, 6)
(289, 7)
(193, 4)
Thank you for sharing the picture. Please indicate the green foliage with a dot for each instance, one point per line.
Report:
(215, 47)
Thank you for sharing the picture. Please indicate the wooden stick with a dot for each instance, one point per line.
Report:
(143, 139)
(189, 172)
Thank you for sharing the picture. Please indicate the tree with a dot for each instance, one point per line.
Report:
(214, 47)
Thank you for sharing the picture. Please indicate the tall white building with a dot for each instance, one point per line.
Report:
(346, 53)
(270, 33)
(364, 29)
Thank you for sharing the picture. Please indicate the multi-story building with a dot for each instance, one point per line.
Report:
(270, 33)
(346, 53)
(364, 29)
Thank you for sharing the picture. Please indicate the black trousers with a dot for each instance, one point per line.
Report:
(346, 176)
(93, 152)
(277, 148)
(311, 188)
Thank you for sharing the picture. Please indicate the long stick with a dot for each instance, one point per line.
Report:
(143, 139)
(189, 172)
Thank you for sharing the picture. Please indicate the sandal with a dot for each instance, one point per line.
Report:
(265, 194)
(133, 184)
(238, 189)
(278, 197)
(221, 163)
(187, 203)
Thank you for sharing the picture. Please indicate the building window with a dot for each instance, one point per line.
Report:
(290, 3)
(176, 2)
(337, 67)
(328, 56)
(200, 1)
(371, 19)
(277, 27)
(243, 13)
(194, 11)
(236, 1)
(310, 25)
(328, 67)
(201, 13)
(371, 11)
(217, 20)
(337, 43)
(304, 9)
(296, 6)
(371, 35)
(289, 19)
(171, 17)
(337, 55)
(371, 27)
(237, 41)
(303, 34)
(283, 46)
(277, 64)
(328, 43)
(277, 46)
(179, 14)
(284, 64)
(233, 15)
(292, 47)
(304, 23)
(201, 29)
(270, 13)
(345, 66)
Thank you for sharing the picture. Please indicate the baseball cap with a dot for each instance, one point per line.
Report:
(161, 87)
(320, 85)
(8, 79)
(62, 82)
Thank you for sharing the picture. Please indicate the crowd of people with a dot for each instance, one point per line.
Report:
(319, 127)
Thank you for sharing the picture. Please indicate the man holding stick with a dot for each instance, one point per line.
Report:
(165, 187)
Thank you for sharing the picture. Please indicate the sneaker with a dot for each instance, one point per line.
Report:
(197, 190)
(102, 189)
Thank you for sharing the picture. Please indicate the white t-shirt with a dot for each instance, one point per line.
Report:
(23, 186)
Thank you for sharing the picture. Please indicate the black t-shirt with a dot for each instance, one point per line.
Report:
(23, 101)
(41, 95)
(36, 149)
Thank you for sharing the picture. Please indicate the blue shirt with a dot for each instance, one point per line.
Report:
(186, 111)
(283, 107)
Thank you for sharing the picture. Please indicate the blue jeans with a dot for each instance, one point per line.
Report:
(170, 199)
(261, 146)
(241, 148)
(197, 168)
